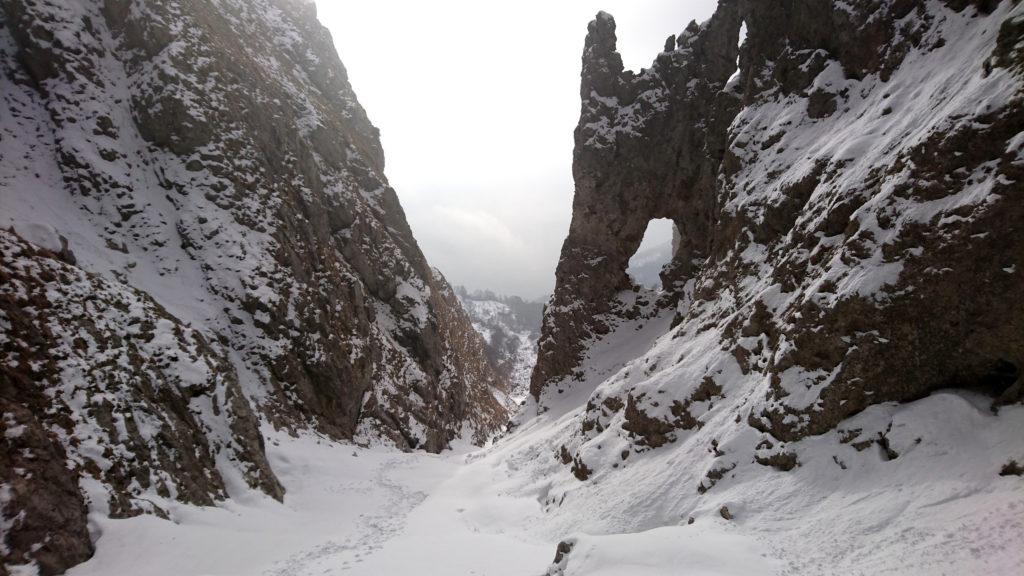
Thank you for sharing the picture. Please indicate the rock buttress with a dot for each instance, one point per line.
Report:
(210, 160)
(848, 205)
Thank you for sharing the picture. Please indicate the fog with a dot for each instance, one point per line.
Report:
(476, 102)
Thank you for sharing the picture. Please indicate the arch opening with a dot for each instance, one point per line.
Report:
(655, 252)
(739, 44)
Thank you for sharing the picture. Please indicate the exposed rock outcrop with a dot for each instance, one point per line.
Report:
(848, 203)
(641, 153)
(211, 242)
(99, 382)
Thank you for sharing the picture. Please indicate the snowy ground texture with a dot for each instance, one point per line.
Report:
(922, 487)
(939, 507)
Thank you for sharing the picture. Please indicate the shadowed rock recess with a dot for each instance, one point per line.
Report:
(198, 236)
(849, 212)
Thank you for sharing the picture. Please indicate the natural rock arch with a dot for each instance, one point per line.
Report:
(654, 253)
(756, 206)
(629, 173)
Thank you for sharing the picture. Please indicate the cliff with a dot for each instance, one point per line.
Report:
(846, 201)
(840, 319)
(200, 240)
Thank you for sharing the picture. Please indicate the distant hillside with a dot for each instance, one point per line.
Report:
(511, 327)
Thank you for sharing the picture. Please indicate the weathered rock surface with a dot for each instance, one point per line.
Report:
(201, 237)
(98, 376)
(848, 205)
(641, 153)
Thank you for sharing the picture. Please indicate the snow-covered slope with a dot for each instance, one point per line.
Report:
(919, 488)
(939, 508)
(828, 382)
(834, 366)
(511, 328)
(211, 243)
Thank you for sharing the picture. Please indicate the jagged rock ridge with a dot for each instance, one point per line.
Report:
(199, 237)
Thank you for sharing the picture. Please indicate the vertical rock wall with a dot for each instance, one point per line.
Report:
(199, 235)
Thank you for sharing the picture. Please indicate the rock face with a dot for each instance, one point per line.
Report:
(200, 237)
(641, 154)
(848, 205)
(99, 376)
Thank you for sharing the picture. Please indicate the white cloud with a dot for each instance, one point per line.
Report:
(477, 103)
(460, 223)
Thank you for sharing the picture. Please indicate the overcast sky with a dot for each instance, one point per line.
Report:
(476, 102)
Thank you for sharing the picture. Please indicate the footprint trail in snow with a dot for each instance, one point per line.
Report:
(371, 531)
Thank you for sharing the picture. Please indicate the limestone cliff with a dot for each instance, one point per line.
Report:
(200, 237)
(846, 185)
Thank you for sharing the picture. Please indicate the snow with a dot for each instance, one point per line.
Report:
(849, 507)
(511, 327)
(655, 251)
(669, 551)
(415, 294)
(346, 508)
(939, 507)
(629, 118)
